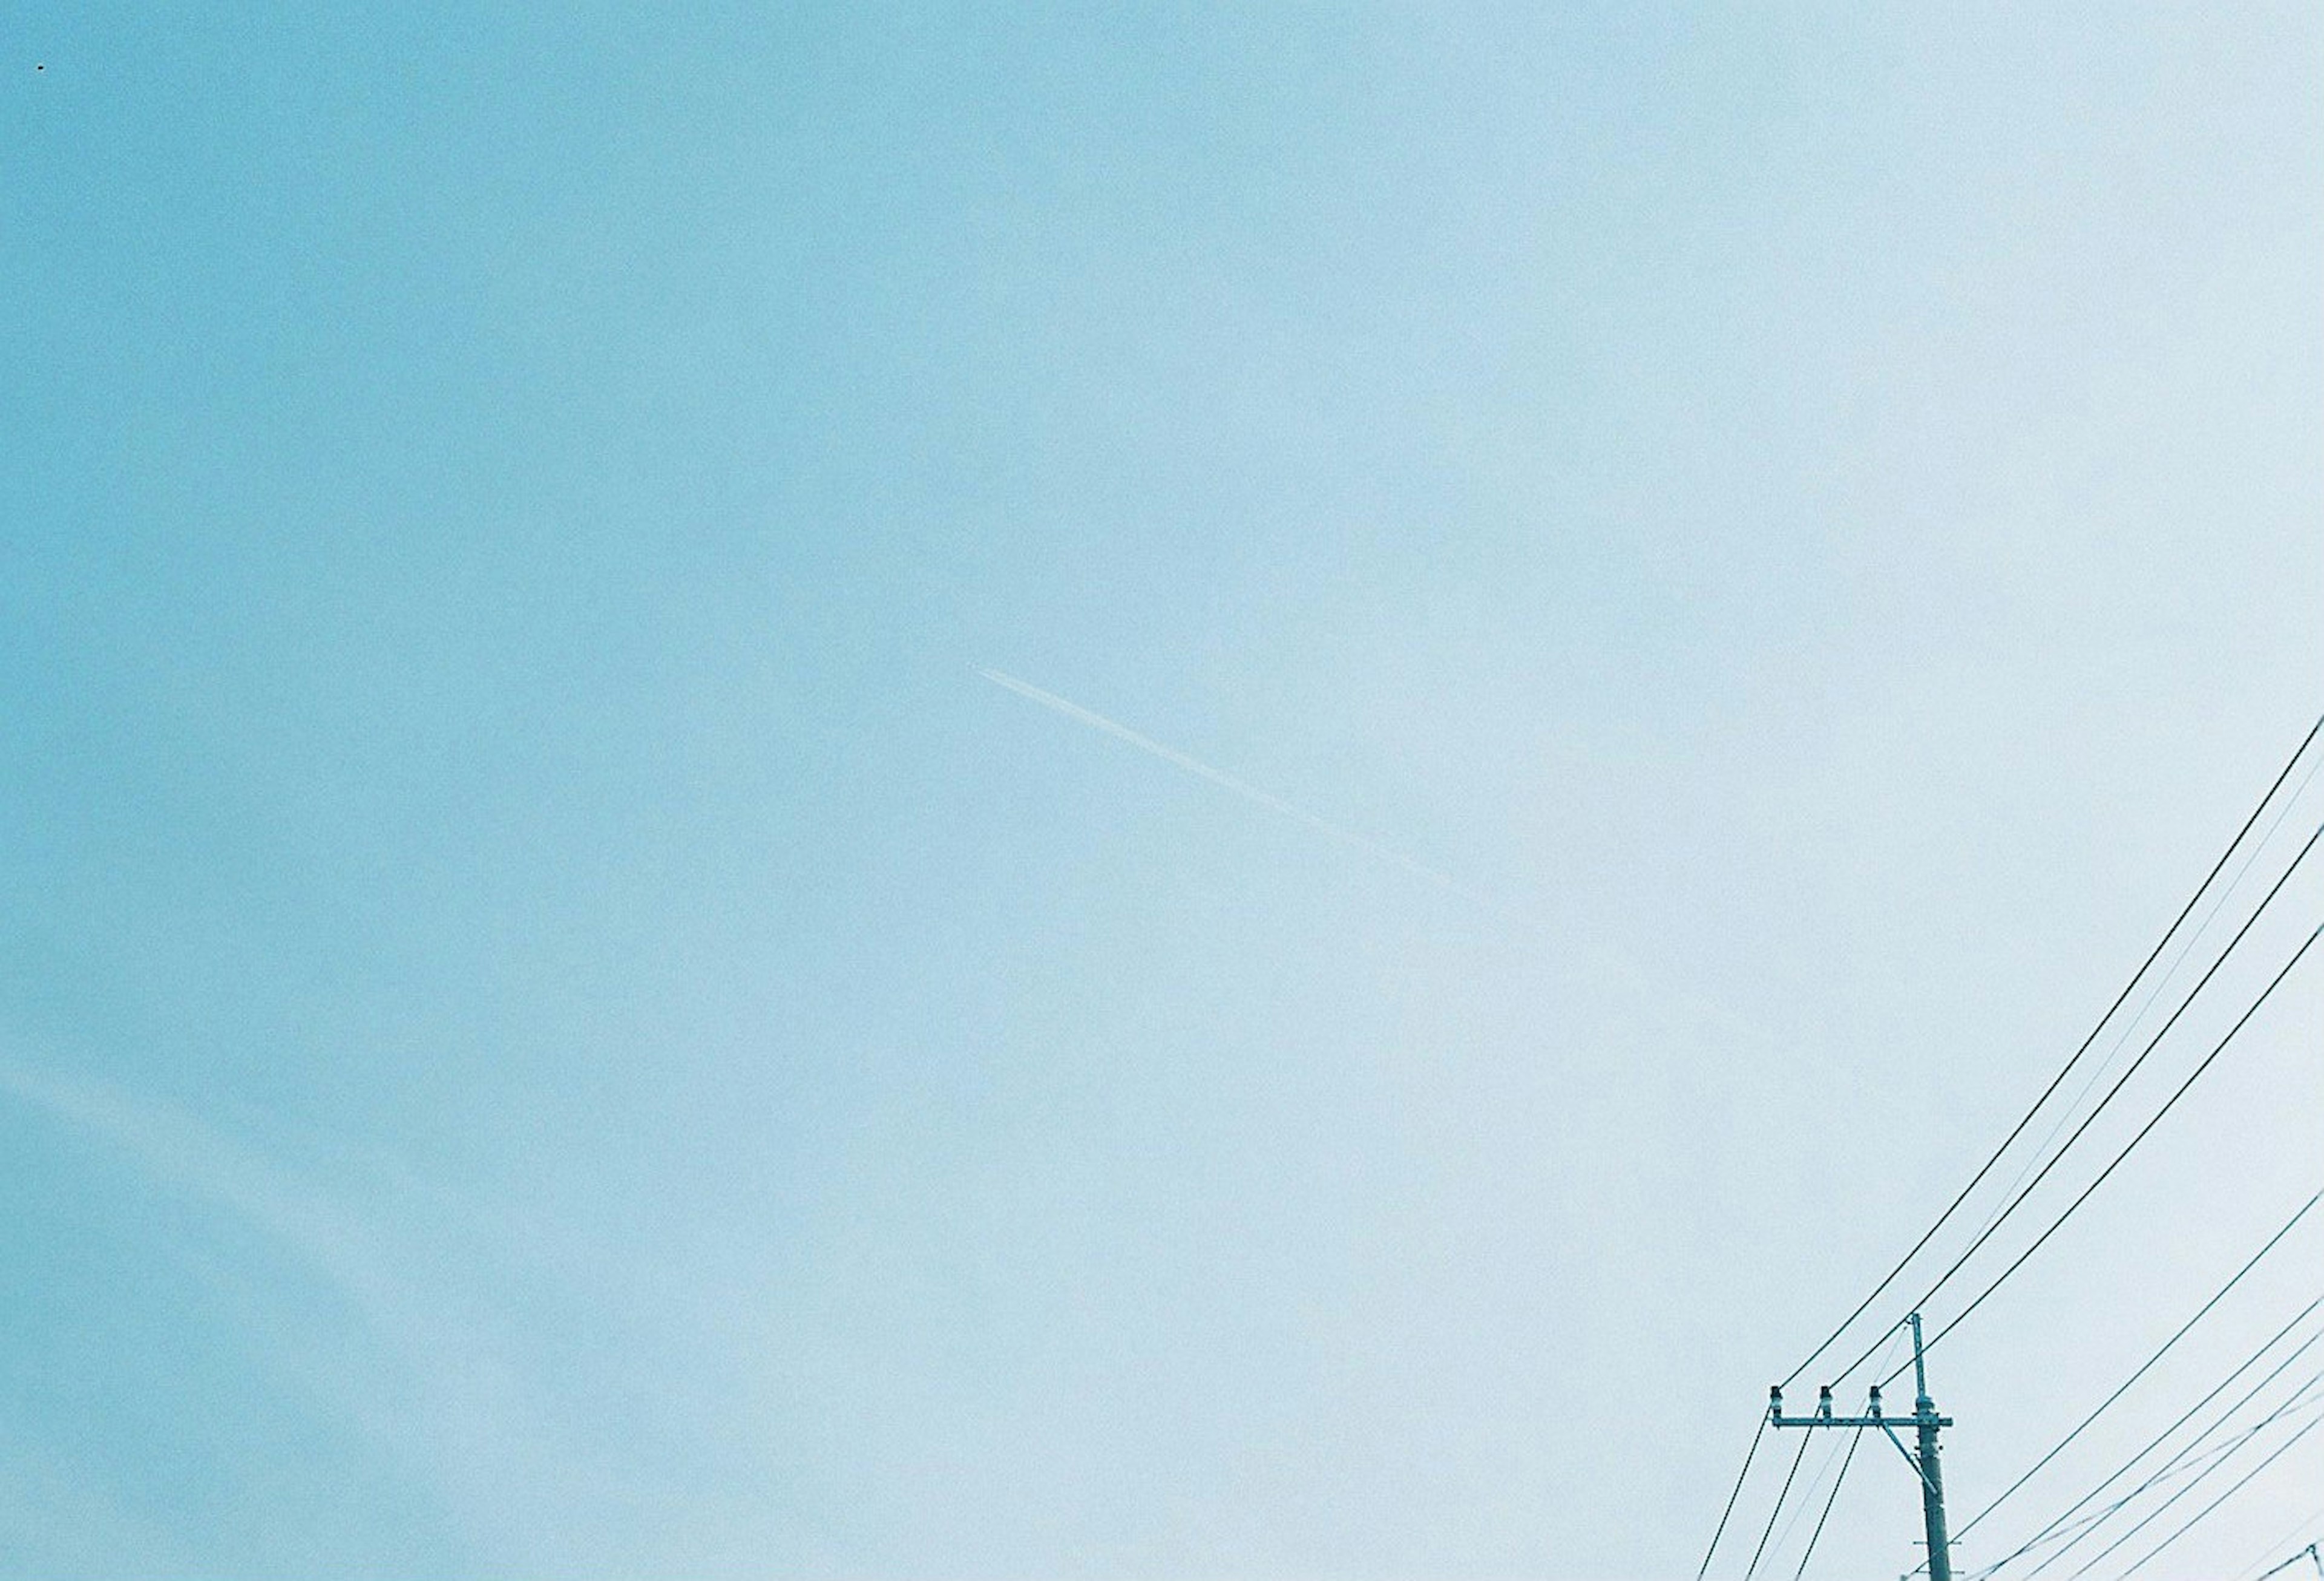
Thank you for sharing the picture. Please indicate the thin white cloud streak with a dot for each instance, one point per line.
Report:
(483, 1441)
(186, 1156)
(1249, 792)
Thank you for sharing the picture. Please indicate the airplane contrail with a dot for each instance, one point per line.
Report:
(1249, 792)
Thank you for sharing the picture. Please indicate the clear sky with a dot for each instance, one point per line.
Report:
(1726, 569)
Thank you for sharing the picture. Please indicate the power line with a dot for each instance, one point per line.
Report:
(1817, 1535)
(2144, 1131)
(2296, 1528)
(2144, 1367)
(2083, 1529)
(2156, 1442)
(2195, 1459)
(1766, 1420)
(1732, 1494)
(1831, 1457)
(2162, 981)
(2240, 1483)
(2290, 1404)
(2112, 1092)
(2307, 1553)
(2018, 1129)
(2218, 1457)
(2074, 1534)
(1927, 1423)
(1784, 1492)
(2194, 1451)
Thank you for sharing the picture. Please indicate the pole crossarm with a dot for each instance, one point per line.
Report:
(1923, 1421)
(1874, 1417)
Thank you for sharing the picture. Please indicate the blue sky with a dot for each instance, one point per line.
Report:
(553, 1023)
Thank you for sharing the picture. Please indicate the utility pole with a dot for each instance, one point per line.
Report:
(2307, 1553)
(1925, 1464)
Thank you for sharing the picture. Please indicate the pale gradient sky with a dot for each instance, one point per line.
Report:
(553, 1024)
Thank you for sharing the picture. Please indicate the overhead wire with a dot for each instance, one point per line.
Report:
(1808, 1489)
(2069, 1533)
(2216, 1459)
(1767, 1419)
(1854, 1438)
(2144, 1368)
(2212, 1460)
(2131, 1146)
(2112, 1092)
(2055, 1081)
(2198, 1459)
(1833, 1457)
(1732, 1494)
(2022, 1190)
(2217, 1389)
(2195, 1459)
(2201, 1450)
(1784, 1492)
(2162, 981)
(2250, 1571)
(2306, 1553)
(2240, 1483)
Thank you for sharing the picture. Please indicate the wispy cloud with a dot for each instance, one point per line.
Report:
(179, 1151)
(456, 1385)
(1249, 792)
